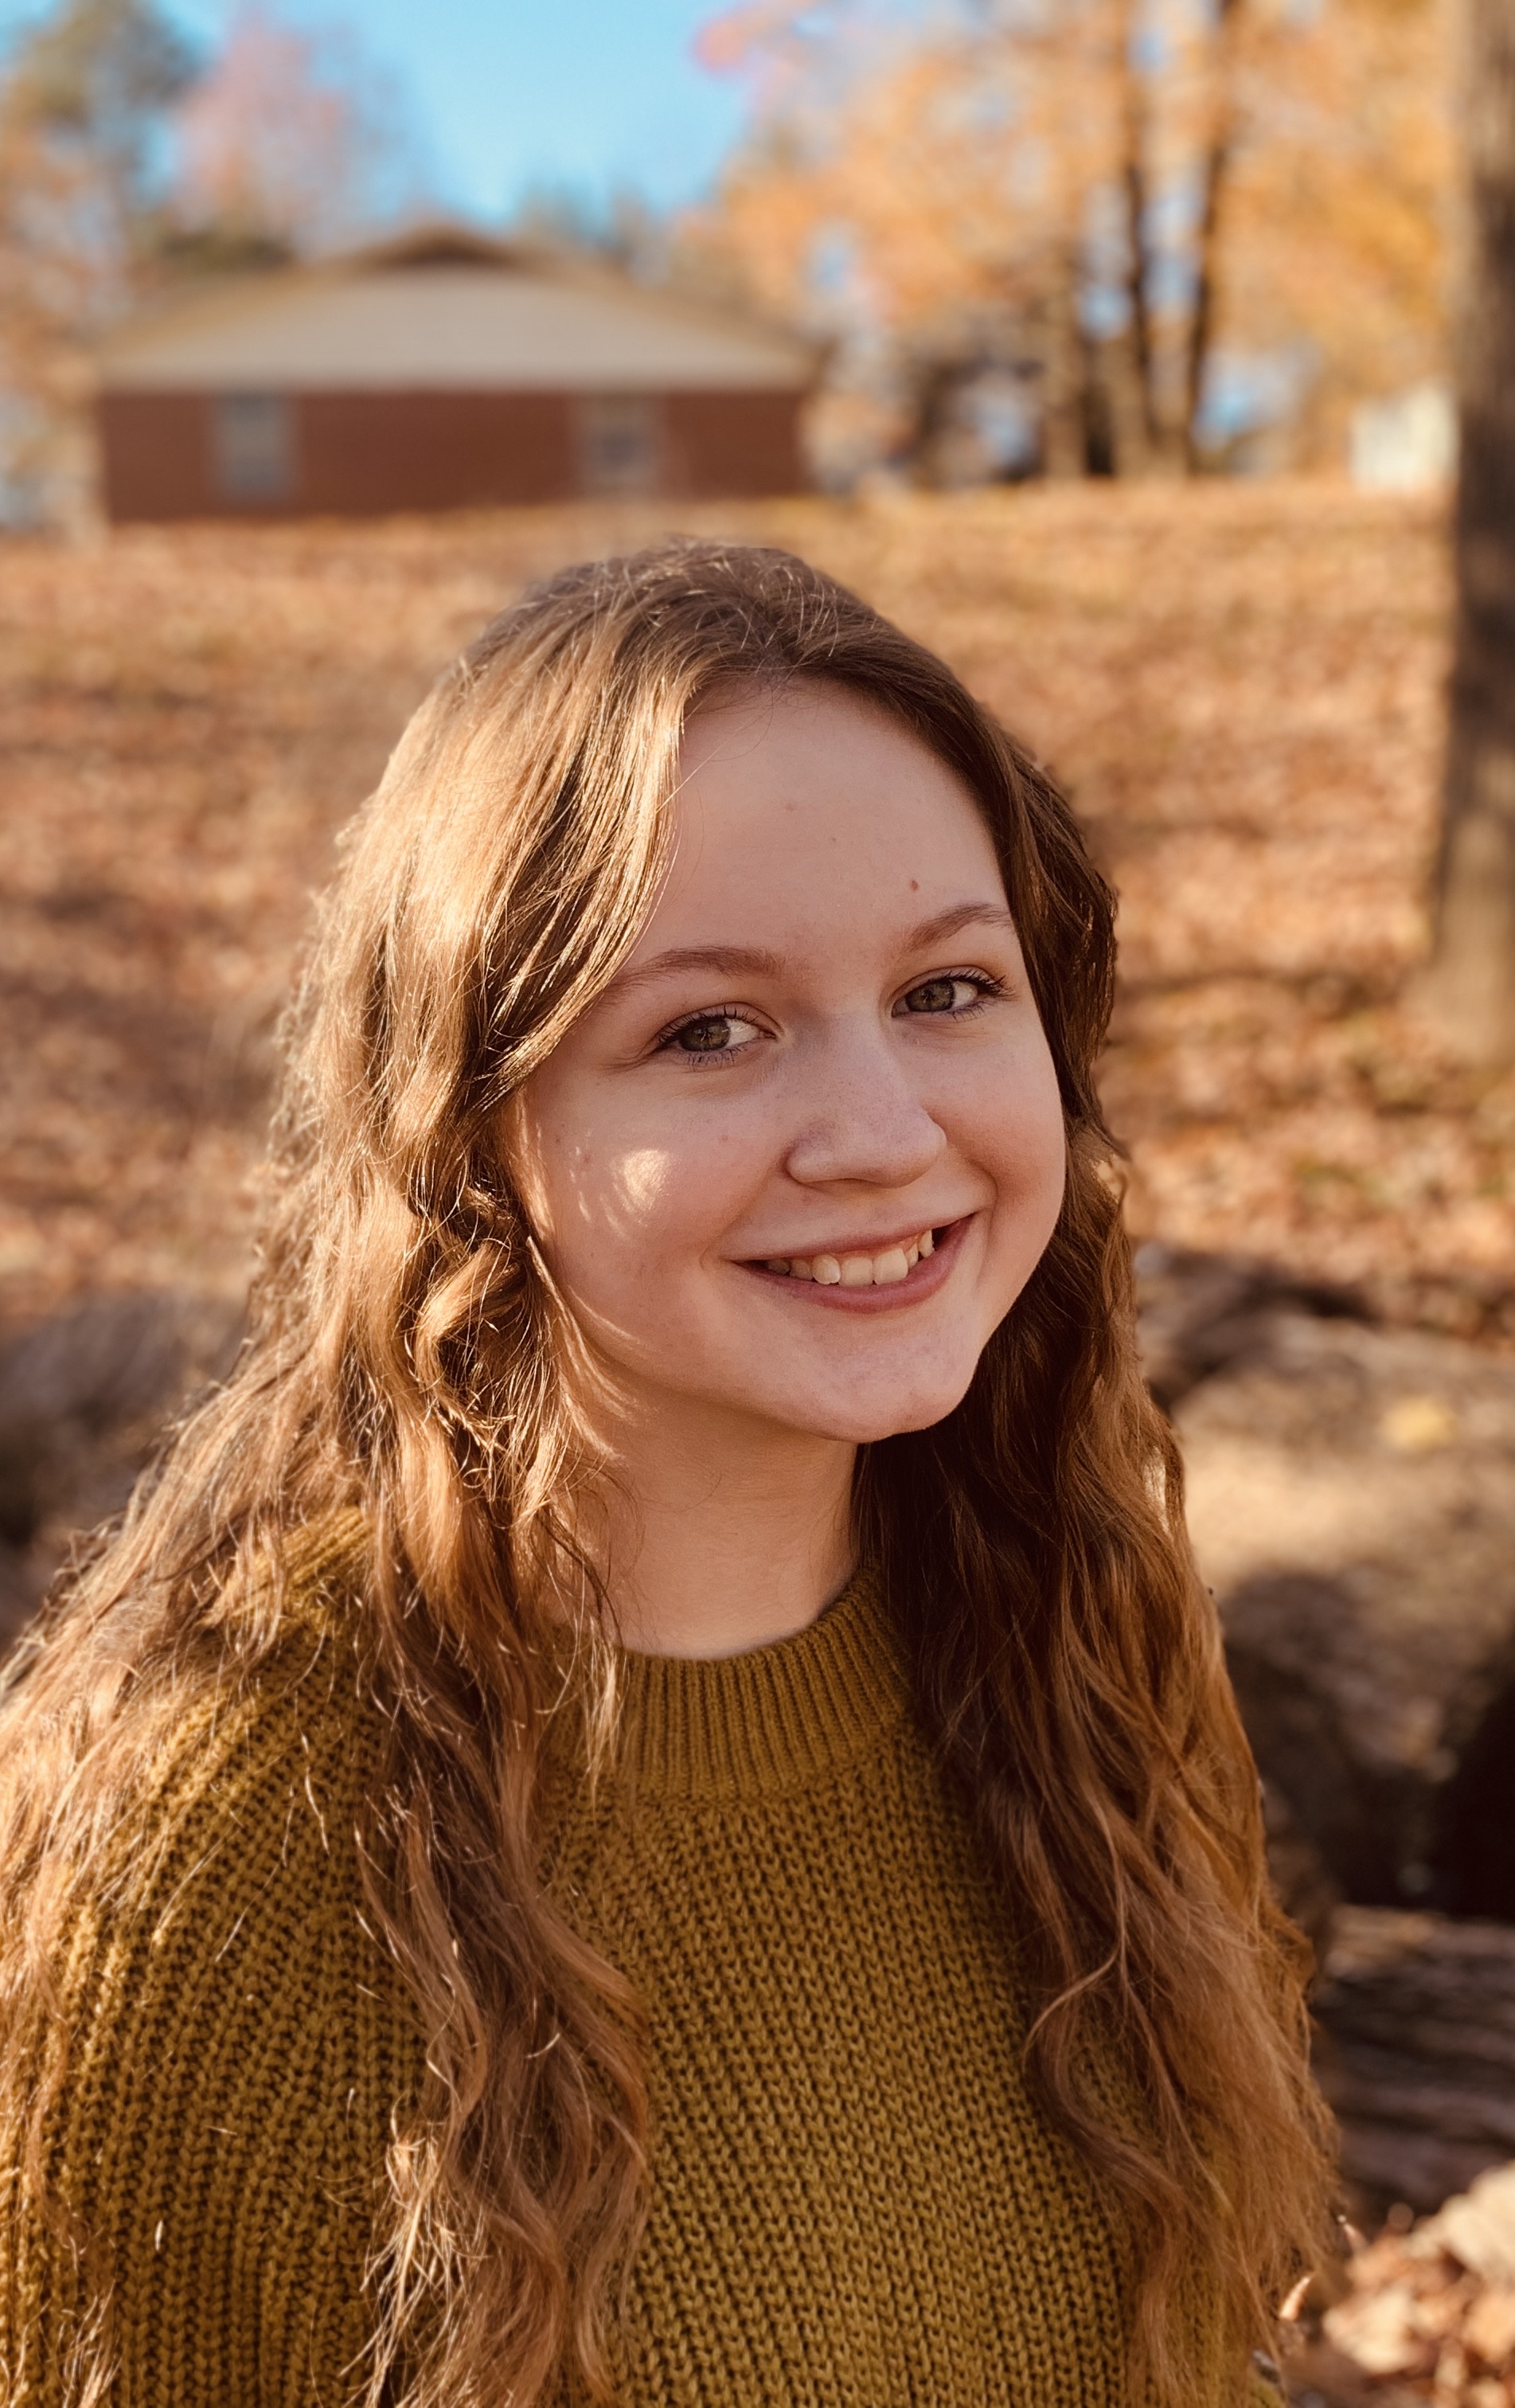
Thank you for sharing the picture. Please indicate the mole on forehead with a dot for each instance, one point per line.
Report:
(756, 961)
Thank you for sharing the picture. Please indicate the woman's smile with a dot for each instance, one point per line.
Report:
(868, 1276)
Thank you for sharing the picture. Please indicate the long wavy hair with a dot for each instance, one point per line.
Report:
(404, 1364)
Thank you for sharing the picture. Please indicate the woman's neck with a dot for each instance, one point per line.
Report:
(716, 1540)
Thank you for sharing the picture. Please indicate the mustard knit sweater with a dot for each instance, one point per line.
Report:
(855, 2201)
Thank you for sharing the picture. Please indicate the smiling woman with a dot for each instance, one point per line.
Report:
(789, 1215)
(646, 1808)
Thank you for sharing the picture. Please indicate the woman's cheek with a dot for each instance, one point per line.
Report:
(1037, 1176)
(641, 1184)
(669, 1210)
(1009, 1124)
(1029, 1173)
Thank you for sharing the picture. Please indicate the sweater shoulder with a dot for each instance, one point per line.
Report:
(259, 1780)
(229, 2048)
(243, 1806)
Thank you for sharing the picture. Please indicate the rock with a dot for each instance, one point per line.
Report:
(1352, 1498)
(1418, 2017)
(1201, 1314)
(84, 1399)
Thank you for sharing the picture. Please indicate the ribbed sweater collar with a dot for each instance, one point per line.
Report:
(773, 1719)
(747, 1726)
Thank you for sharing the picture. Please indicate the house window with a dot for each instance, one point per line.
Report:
(621, 442)
(254, 446)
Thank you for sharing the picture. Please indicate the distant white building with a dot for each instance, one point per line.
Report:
(1405, 443)
(441, 371)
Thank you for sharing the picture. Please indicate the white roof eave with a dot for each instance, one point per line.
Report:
(468, 327)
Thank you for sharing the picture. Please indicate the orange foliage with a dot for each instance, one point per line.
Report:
(961, 166)
(1339, 224)
(997, 161)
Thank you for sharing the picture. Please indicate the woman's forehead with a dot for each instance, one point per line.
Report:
(813, 781)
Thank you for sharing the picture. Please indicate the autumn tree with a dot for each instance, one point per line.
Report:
(85, 98)
(293, 141)
(946, 176)
(1472, 986)
(1122, 192)
(1335, 244)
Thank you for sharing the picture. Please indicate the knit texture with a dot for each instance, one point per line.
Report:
(855, 2199)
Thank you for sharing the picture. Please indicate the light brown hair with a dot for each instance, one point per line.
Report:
(403, 1359)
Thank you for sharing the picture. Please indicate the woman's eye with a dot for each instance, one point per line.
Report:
(943, 995)
(713, 1032)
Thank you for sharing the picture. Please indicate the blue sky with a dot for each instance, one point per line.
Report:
(597, 95)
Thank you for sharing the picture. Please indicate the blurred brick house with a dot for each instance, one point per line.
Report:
(441, 371)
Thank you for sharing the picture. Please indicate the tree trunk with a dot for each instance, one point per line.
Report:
(1143, 435)
(1212, 186)
(1471, 987)
(1065, 446)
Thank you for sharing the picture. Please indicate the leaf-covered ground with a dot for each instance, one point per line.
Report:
(1240, 684)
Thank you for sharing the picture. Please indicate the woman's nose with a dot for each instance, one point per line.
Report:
(863, 1119)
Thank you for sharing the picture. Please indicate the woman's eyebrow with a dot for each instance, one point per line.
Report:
(755, 961)
(959, 915)
(735, 960)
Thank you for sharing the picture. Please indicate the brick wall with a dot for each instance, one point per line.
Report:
(365, 454)
(726, 444)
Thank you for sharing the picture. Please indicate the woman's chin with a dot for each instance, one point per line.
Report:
(864, 1422)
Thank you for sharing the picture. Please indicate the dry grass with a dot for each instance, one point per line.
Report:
(1240, 685)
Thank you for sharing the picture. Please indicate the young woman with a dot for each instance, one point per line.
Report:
(646, 1808)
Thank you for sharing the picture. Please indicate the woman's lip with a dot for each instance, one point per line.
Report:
(926, 1277)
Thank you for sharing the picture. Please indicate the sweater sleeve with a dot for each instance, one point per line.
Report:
(237, 2044)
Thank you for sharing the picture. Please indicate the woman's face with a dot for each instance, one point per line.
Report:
(799, 1160)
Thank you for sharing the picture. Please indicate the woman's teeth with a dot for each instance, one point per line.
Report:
(857, 1270)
